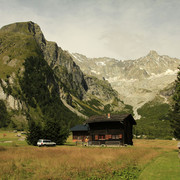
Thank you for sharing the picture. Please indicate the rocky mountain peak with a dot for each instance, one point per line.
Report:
(27, 28)
(152, 55)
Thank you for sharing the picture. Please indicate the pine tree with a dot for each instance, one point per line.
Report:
(175, 115)
(4, 117)
(34, 133)
(56, 131)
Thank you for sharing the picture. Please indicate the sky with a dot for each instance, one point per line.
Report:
(121, 29)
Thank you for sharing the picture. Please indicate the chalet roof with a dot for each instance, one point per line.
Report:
(80, 127)
(104, 118)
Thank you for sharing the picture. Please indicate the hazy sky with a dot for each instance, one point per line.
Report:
(121, 29)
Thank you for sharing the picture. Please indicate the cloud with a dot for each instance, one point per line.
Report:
(114, 28)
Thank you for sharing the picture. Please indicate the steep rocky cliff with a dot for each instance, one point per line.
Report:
(34, 70)
(57, 59)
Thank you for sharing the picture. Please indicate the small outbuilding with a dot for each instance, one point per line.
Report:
(106, 130)
(80, 132)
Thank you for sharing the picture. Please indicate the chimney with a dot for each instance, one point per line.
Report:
(109, 115)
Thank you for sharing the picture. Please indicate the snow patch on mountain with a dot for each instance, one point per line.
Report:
(167, 72)
(100, 64)
(93, 71)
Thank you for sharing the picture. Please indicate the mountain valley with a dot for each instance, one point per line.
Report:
(43, 84)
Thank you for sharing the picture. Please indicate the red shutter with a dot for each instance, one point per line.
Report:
(96, 137)
(106, 137)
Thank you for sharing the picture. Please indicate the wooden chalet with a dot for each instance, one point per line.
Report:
(106, 130)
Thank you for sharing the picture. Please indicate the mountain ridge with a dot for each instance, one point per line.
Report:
(24, 43)
(137, 81)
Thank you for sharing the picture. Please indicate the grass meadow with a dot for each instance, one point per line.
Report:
(147, 159)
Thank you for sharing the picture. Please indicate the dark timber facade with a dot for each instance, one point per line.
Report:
(107, 130)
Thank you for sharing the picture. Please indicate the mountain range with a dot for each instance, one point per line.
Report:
(40, 81)
(137, 81)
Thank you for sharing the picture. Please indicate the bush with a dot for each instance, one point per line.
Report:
(4, 116)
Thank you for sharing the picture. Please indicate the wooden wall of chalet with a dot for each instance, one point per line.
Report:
(128, 133)
(106, 128)
(80, 135)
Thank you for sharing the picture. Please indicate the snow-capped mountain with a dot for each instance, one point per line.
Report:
(137, 81)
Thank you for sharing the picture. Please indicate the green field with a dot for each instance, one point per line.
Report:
(10, 139)
(165, 167)
(147, 159)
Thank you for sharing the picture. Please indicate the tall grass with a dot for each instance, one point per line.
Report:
(70, 162)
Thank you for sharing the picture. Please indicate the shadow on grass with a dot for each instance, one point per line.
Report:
(2, 148)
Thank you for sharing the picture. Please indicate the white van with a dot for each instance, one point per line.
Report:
(45, 142)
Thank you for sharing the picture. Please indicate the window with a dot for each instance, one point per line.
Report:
(101, 137)
(115, 136)
(107, 137)
(46, 141)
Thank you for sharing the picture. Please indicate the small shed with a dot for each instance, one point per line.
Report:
(80, 132)
(106, 130)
